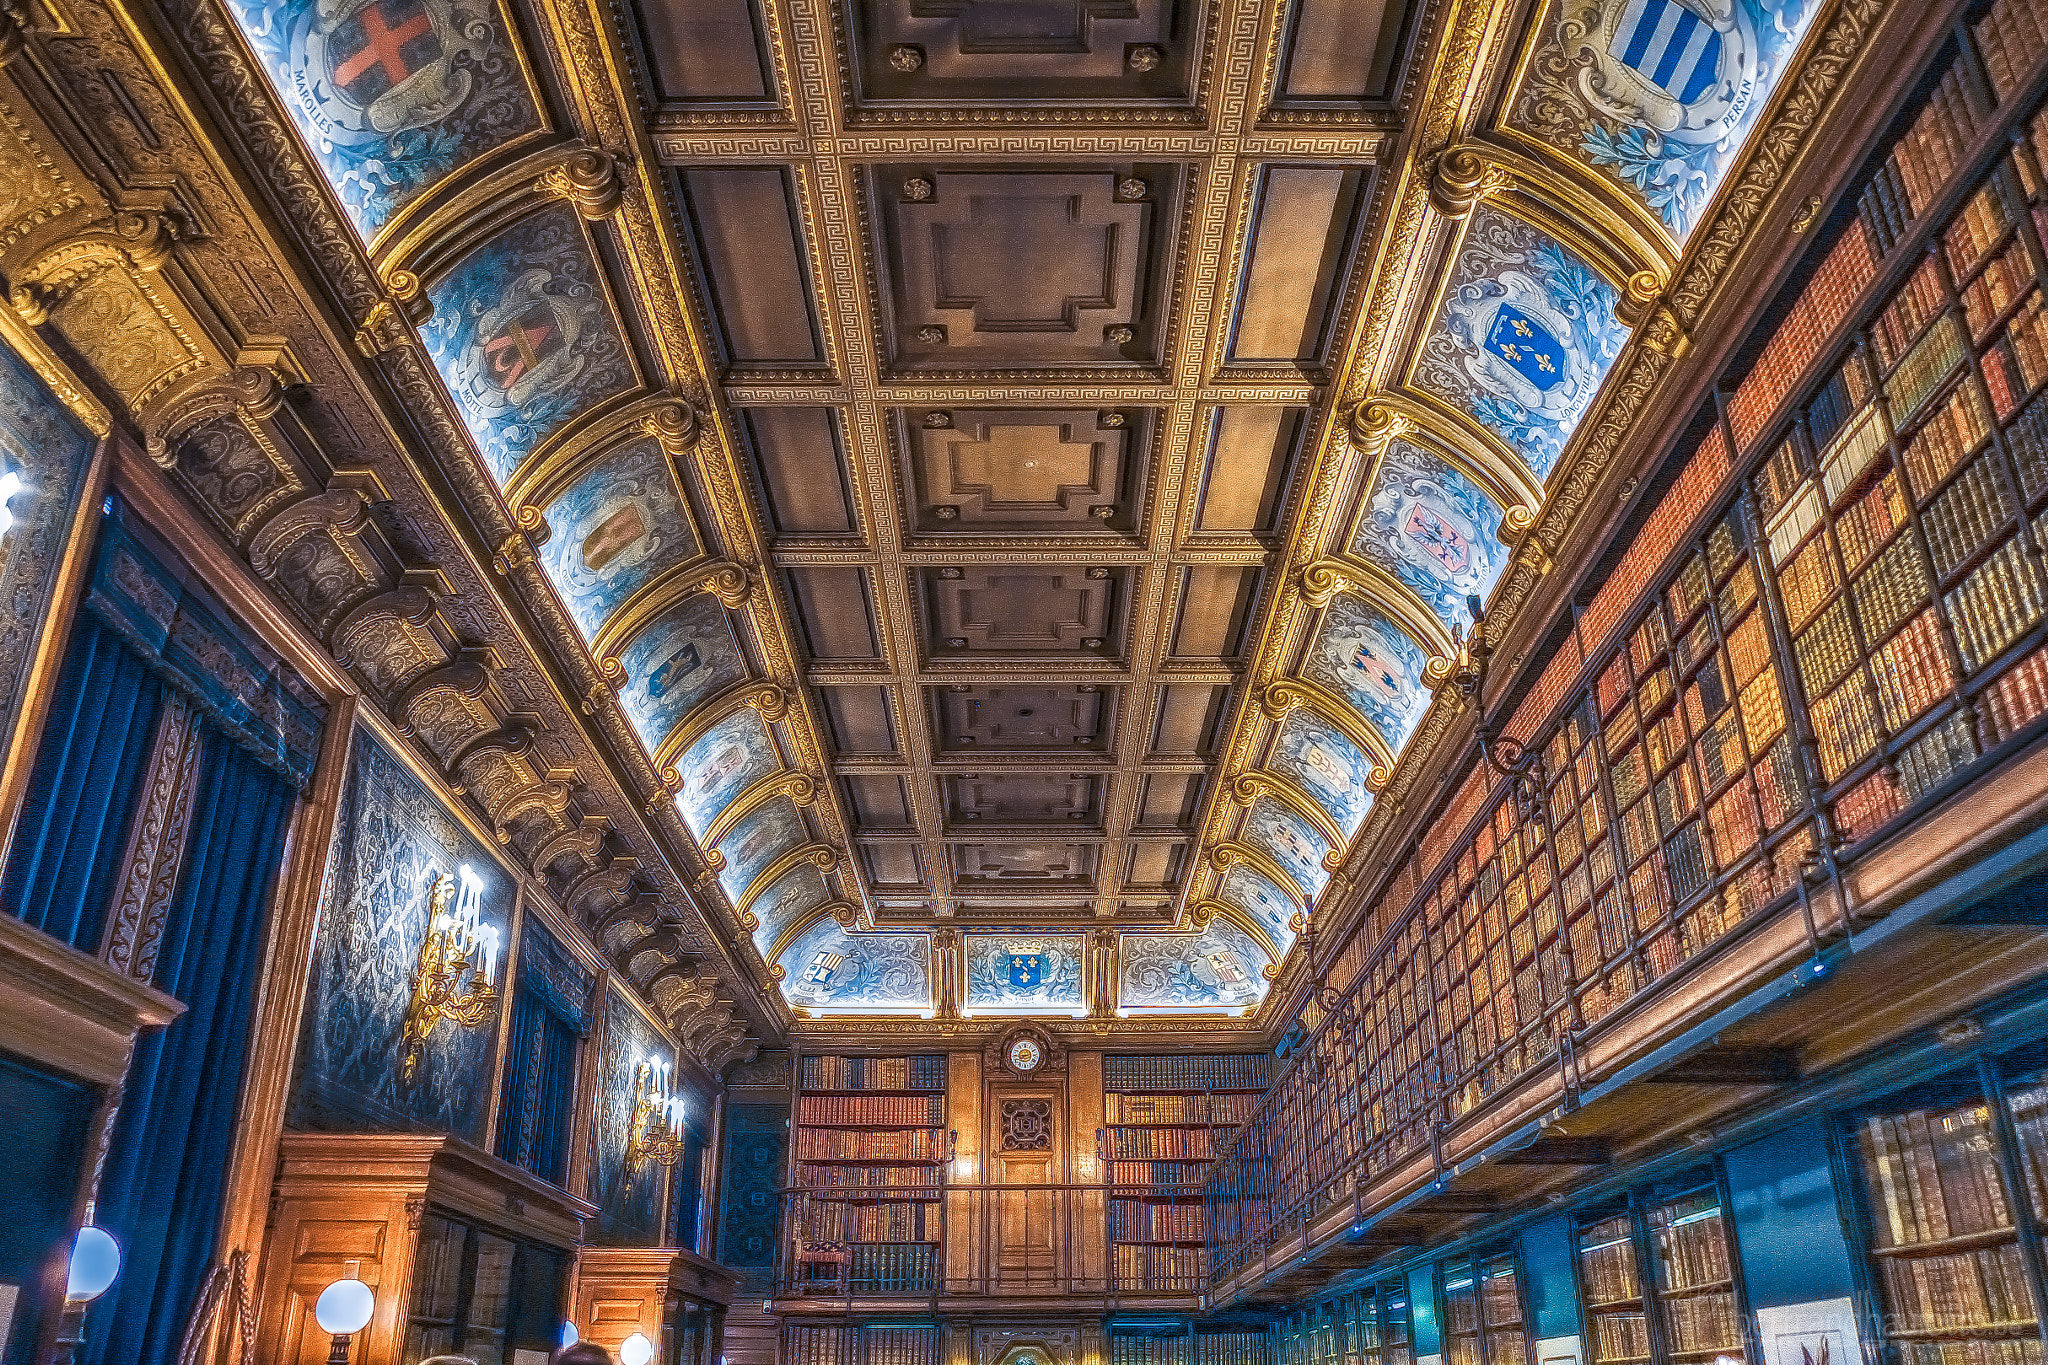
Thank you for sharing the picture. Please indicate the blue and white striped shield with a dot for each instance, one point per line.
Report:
(1669, 46)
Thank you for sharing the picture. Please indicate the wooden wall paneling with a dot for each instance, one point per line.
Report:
(344, 1197)
(1084, 1164)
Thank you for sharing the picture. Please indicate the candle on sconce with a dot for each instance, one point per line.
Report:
(490, 954)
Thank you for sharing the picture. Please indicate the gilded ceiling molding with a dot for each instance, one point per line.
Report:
(1324, 581)
(1249, 787)
(821, 856)
(799, 787)
(671, 420)
(1288, 694)
(1604, 226)
(844, 913)
(1204, 911)
(768, 698)
(730, 583)
(1379, 421)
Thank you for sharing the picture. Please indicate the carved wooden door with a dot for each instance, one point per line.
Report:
(1025, 1244)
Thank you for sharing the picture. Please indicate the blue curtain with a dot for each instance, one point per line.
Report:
(82, 790)
(540, 1086)
(160, 1194)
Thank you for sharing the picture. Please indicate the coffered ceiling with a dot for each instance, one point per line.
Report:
(1006, 466)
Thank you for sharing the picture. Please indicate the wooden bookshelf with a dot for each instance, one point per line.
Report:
(1182, 1345)
(870, 1156)
(1699, 1314)
(1368, 1326)
(1165, 1118)
(1483, 1315)
(1946, 1250)
(1611, 1290)
(859, 1344)
(1846, 557)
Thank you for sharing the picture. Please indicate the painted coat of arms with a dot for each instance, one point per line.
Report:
(1525, 336)
(524, 338)
(1659, 93)
(1433, 528)
(1003, 970)
(392, 95)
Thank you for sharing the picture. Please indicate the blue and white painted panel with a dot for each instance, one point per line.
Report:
(1289, 840)
(614, 531)
(678, 659)
(1266, 903)
(1220, 969)
(1024, 973)
(829, 969)
(1373, 664)
(1524, 336)
(751, 845)
(1324, 762)
(1658, 96)
(391, 96)
(524, 336)
(1432, 527)
(795, 894)
(723, 762)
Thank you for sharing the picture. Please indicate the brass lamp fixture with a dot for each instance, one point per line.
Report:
(654, 1127)
(449, 982)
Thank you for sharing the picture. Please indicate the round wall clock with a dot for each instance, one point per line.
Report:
(1025, 1056)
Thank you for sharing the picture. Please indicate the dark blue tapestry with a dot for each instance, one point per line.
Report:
(524, 337)
(391, 95)
(756, 1137)
(628, 1201)
(393, 837)
(43, 457)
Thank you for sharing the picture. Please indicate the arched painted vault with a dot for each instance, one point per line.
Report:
(1467, 368)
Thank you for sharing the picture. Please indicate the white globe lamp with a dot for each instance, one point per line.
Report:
(636, 1350)
(343, 1309)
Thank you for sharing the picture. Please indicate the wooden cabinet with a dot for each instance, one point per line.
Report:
(653, 1291)
(363, 1197)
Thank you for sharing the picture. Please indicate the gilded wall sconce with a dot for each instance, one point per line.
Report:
(457, 969)
(654, 1124)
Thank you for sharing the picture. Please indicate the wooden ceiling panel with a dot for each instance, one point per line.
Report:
(935, 52)
(1171, 801)
(705, 52)
(878, 802)
(1035, 718)
(1023, 863)
(751, 251)
(1024, 269)
(859, 718)
(1304, 221)
(894, 865)
(1155, 863)
(1341, 51)
(1215, 606)
(800, 461)
(1026, 609)
(1251, 455)
(833, 605)
(1188, 716)
(1025, 798)
(1003, 470)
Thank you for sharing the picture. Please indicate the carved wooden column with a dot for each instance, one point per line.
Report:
(360, 1197)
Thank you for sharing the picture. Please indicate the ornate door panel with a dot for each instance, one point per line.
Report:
(1027, 1143)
